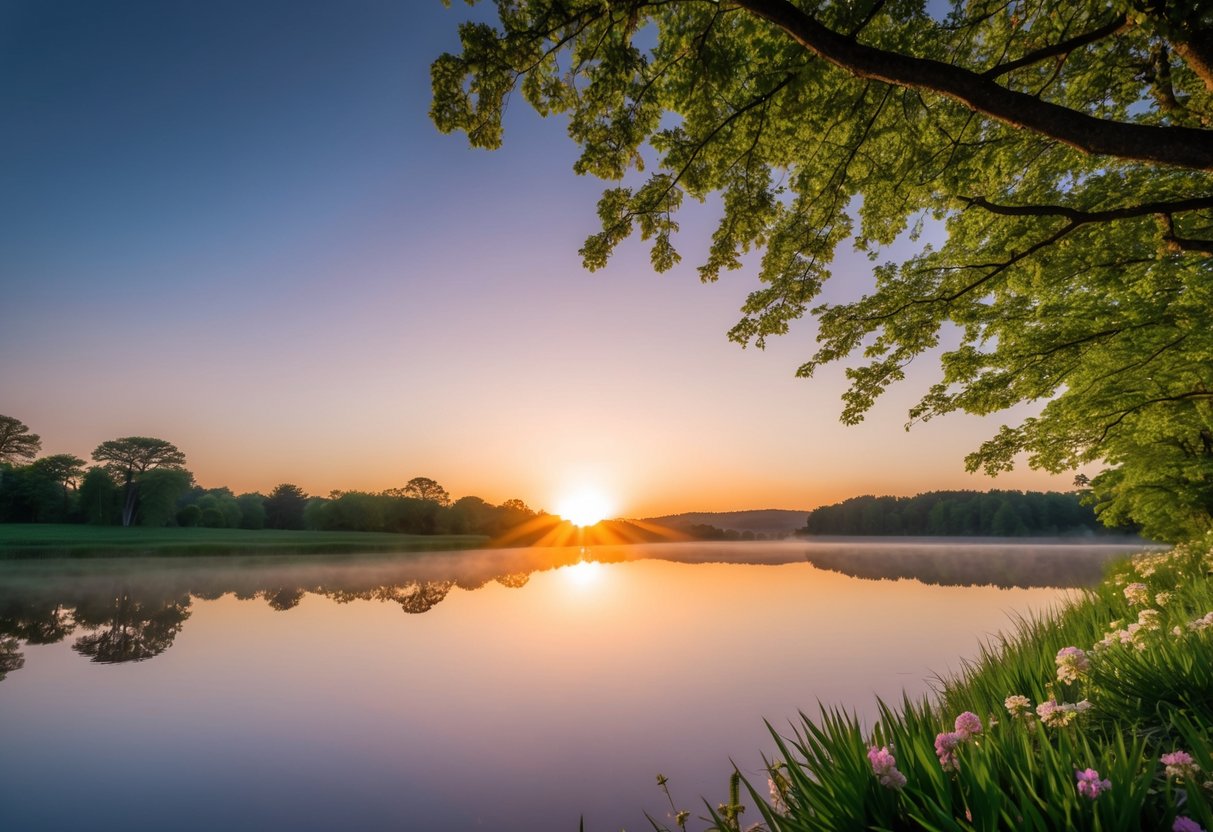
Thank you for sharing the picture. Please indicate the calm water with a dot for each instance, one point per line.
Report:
(503, 690)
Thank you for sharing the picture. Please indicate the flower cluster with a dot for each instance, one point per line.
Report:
(1203, 623)
(1183, 823)
(1180, 765)
(884, 766)
(1089, 784)
(967, 725)
(1019, 706)
(945, 750)
(1056, 715)
(1137, 594)
(1072, 663)
(1148, 621)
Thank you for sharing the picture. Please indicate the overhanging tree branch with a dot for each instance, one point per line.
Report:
(1176, 146)
(1065, 47)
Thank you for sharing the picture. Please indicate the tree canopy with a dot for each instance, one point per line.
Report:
(1052, 160)
(130, 458)
(16, 441)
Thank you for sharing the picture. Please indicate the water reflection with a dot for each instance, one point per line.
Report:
(506, 690)
(132, 610)
(1006, 565)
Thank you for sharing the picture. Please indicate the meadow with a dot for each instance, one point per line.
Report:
(28, 540)
(1096, 717)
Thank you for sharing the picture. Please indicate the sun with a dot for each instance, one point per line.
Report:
(584, 508)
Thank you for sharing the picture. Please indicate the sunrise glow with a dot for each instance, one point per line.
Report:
(584, 508)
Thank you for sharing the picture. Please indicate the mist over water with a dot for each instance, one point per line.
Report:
(503, 689)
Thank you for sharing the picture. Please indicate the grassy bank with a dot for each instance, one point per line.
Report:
(73, 541)
(1095, 718)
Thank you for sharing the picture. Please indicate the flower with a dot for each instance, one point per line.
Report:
(945, 749)
(1018, 706)
(1137, 593)
(1148, 619)
(777, 802)
(1055, 715)
(1186, 824)
(884, 766)
(1089, 784)
(968, 724)
(1180, 765)
(1162, 598)
(1071, 663)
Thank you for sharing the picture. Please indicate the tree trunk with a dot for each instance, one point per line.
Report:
(128, 506)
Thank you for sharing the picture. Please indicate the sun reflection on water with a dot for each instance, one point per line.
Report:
(584, 573)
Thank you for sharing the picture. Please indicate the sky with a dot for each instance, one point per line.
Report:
(233, 226)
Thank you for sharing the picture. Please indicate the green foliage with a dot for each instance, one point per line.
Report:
(41, 492)
(159, 490)
(100, 499)
(46, 540)
(284, 507)
(252, 511)
(423, 488)
(130, 459)
(1064, 150)
(967, 513)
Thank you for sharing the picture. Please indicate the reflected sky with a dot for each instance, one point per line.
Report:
(504, 690)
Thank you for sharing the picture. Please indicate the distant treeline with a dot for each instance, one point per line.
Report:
(143, 481)
(960, 513)
(170, 498)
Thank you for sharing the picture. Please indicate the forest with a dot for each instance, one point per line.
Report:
(143, 481)
(961, 513)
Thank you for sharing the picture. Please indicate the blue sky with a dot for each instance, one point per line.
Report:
(233, 226)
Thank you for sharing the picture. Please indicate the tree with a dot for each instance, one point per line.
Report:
(62, 469)
(423, 488)
(284, 507)
(129, 458)
(99, 497)
(159, 491)
(16, 442)
(252, 511)
(1060, 151)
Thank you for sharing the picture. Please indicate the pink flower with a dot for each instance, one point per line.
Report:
(1180, 765)
(884, 766)
(1089, 784)
(967, 724)
(945, 749)
(1071, 663)
(1186, 824)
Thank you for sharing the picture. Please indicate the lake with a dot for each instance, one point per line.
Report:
(512, 689)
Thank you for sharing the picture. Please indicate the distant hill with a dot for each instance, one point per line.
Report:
(769, 521)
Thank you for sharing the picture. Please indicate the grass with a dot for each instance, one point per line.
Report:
(1146, 684)
(19, 541)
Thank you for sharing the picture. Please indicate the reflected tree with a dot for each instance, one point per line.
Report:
(283, 598)
(129, 630)
(515, 580)
(11, 657)
(419, 597)
(36, 623)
